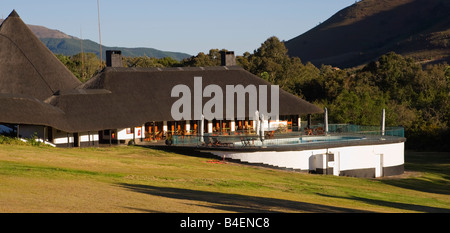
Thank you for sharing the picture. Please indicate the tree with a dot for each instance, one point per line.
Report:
(141, 62)
(394, 74)
(87, 65)
(84, 67)
(213, 58)
(272, 63)
(272, 58)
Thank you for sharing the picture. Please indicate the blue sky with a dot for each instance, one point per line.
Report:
(183, 26)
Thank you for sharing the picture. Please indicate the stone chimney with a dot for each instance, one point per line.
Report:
(114, 58)
(228, 58)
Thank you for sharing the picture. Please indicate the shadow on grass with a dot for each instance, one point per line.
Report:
(423, 184)
(403, 206)
(235, 202)
(188, 151)
(435, 167)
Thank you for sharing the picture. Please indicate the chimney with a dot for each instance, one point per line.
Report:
(227, 58)
(114, 58)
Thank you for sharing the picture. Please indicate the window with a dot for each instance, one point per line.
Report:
(129, 130)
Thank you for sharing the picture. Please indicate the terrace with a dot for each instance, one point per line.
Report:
(335, 149)
(307, 138)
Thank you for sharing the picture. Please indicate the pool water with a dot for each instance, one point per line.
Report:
(328, 139)
(306, 140)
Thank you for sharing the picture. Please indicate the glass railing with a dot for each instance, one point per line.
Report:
(337, 133)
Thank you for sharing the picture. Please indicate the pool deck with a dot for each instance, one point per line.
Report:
(238, 147)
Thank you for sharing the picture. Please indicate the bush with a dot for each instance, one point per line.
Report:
(10, 141)
(34, 140)
(7, 140)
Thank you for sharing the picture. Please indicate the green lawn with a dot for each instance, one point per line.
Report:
(135, 179)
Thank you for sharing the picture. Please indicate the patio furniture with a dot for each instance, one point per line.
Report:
(308, 131)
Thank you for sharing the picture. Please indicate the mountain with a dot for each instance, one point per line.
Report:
(71, 46)
(61, 43)
(367, 29)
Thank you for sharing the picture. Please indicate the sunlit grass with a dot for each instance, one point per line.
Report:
(135, 179)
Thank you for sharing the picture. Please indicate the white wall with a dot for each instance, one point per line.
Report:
(62, 138)
(88, 137)
(139, 132)
(59, 137)
(346, 158)
(121, 134)
(360, 157)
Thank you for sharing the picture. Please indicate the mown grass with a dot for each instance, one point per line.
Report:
(135, 179)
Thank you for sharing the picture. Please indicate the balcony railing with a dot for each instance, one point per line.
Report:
(316, 134)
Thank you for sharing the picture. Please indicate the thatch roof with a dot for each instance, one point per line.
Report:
(27, 66)
(21, 109)
(140, 95)
(151, 87)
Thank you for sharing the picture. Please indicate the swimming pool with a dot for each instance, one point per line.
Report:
(329, 138)
(302, 140)
(356, 154)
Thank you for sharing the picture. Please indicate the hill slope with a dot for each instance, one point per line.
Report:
(71, 46)
(365, 30)
(61, 43)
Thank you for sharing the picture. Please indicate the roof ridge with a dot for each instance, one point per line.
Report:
(13, 14)
(164, 69)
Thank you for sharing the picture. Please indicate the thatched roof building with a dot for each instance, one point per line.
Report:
(27, 66)
(37, 89)
(139, 95)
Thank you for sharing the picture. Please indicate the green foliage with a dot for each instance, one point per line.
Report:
(10, 141)
(34, 140)
(272, 63)
(83, 66)
(7, 140)
(415, 97)
(360, 108)
(88, 65)
(149, 62)
(213, 58)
